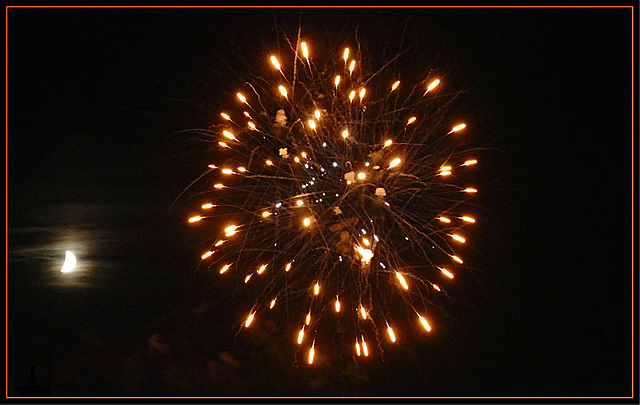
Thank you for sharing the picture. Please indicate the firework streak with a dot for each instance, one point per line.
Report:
(341, 193)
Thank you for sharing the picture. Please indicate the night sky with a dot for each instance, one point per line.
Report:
(100, 102)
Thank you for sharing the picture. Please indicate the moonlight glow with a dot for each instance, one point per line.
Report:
(69, 262)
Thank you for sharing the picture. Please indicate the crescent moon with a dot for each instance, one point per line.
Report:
(69, 262)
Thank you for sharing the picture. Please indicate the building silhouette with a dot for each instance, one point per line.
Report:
(32, 389)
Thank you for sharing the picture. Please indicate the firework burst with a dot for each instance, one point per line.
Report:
(341, 191)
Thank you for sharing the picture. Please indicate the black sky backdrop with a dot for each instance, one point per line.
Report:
(97, 154)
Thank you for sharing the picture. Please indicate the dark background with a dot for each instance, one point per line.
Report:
(97, 154)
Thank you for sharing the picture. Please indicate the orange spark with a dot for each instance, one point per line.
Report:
(283, 91)
(275, 62)
(392, 335)
(249, 319)
(312, 352)
(457, 128)
(468, 219)
(424, 323)
(432, 85)
(446, 272)
(402, 281)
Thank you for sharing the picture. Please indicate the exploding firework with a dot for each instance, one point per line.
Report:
(341, 191)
